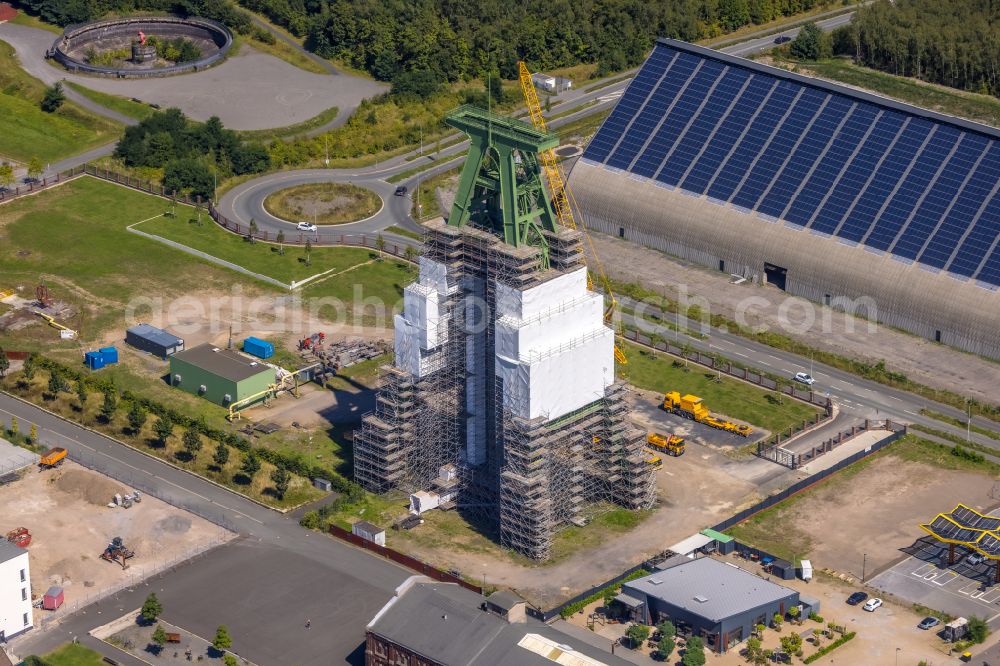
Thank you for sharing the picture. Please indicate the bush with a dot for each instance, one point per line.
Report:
(816, 618)
(637, 635)
(571, 609)
(827, 649)
(54, 98)
(978, 629)
(965, 454)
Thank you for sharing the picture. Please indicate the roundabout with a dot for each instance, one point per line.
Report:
(142, 46)
(323, 203)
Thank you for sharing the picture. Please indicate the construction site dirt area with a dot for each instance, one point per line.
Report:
(865, 519)
(66, 510)
(694, 493)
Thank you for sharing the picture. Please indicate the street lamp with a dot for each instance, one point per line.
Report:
(897, 655)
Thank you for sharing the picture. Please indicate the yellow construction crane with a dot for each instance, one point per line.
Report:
(563, 201)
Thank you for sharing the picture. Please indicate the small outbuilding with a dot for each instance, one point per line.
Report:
(53, 598)
(717, 601)
(154, 340)
(369, 532)
(220, 375)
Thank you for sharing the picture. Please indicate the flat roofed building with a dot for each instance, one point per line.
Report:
(715, 600)
(442, 624)
(15, 591)
(219, 375)
(154, 340)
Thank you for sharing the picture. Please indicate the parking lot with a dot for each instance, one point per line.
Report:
(960, 589)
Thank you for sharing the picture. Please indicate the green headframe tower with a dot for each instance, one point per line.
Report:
(501, 188)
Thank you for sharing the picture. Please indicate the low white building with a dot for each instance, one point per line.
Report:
(15, 591)
(552, 84)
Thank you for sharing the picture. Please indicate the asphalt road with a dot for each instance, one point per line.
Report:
(264, 586)
(752, 46)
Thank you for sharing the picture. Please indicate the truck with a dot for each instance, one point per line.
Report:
(692, 407)
(653, 460)
(672, 445)
(52, 457)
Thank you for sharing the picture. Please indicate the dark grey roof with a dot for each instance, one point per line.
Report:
(828, 86)
(222, 362)
(505, 600)
(365, 526)
(9, 551)
(709, 588)
(157, 335)
(443, 622)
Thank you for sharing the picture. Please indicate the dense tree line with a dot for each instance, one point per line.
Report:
(192, 155)
(420, 44)
(67, 12)
(954, 43)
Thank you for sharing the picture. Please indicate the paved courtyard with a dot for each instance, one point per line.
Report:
(960, 589)
(250, 90)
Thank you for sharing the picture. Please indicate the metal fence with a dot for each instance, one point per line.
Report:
(896, 432)
(139, 482)
(775, 453)
(407, 561)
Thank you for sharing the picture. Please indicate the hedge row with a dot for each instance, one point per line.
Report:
(827, 649)
(293, 464)
(577, 606)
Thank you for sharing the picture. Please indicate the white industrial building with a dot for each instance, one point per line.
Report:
(552, 84)
(15, 591)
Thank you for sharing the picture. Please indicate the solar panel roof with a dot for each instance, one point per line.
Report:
(919, 185)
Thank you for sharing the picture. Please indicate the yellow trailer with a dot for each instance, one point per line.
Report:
(693, 407)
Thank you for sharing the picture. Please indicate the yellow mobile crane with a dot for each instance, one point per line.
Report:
(562, 197)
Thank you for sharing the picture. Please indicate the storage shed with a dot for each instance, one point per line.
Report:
(53, 598)
(94, 360)
(369, 532)
(259, 348)
(110, 355)
(154, 340)
(219, 375)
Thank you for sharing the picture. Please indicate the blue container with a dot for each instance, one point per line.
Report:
(94, 360)
(110, 355)
(259, 348)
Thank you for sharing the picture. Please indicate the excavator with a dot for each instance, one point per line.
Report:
(563, 203)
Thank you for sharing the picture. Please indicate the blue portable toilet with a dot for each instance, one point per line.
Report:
(94, 360)
(110, 355)
(259, 348)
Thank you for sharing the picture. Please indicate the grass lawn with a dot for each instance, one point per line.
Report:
(581, 128)
(291, 55)
(323, 203)
(730, 397)
(426, 198)
(35, 22)
(122, 105)
(318, 447)
(981, 108)
(606, 521)
(73, 654)
(769, 530)
(265, 135)
(26, 131)
(368, 295)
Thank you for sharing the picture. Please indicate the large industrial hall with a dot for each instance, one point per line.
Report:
(840, 196)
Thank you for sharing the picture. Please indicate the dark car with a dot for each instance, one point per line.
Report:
(856, 598)
(401, 191)
(929, 622)
(782, 39)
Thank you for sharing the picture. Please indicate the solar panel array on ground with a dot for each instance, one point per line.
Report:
(820, 157)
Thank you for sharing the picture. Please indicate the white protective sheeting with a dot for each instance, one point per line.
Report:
(691, 544)
(419, 330)
(553, 352)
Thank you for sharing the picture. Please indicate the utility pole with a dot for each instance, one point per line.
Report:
(326, 150)
(968, 423)
(864, 565)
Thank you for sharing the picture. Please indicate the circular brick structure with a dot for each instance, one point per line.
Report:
(213, 39)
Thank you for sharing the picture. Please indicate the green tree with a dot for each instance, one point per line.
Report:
(777, 620)
(410, 253)
(6, 175)
(281, 242)
(755, 652)
(56, 383)
(4, 363)
(28, 370)
(13, 426)
(791, 644)
(222, 640)
(694, 653)
(229, 660)
(33, 434)
(109, 406)
(136, 418)
(666, 628)
(978, 629)
(253, 231)
(309, 247)
(793, 613)
(380, 245)
(609, 597)
(637, 635)
(53, 98)
(160, 636)
(281, 479)
(35, 168)
(811, 43)
(151, 608)
(192, 442)
(665, 648)
(163, 428)
(250, 465)
(221, 456)
(81, 394)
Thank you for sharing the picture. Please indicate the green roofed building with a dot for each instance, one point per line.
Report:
(220, 375)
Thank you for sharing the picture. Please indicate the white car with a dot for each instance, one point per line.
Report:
(305, 226)
(805, 378)
(872, 604)
(975, 558)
